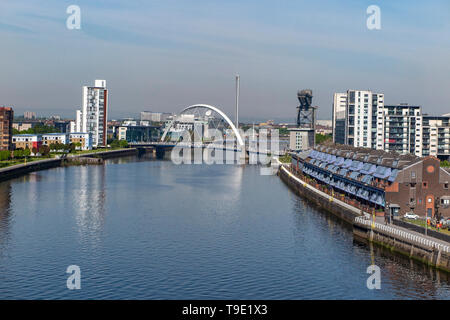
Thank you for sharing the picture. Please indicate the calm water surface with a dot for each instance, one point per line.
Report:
(149, 229)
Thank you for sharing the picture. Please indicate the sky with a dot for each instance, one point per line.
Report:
(166, 55)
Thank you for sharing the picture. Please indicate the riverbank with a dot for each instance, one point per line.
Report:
(333, 205)
(15, 171)
(427, 250)
(431, 251)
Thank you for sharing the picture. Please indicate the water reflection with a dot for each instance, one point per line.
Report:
(5, 213)
(407, 275)
(89, 197)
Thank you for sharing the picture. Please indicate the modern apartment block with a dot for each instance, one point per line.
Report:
(338, 120)
(361, 119)
(6, 126)
(27, 141)
(54, 138)
(357, 117)
(402, 129)
(436, 136)
(92, 118)
(30, 141)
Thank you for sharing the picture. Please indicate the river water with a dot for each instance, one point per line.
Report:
(141, 228)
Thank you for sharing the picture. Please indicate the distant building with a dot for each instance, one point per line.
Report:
(84, 138)
(29, 115)
(356, 116)
(62, 126)
(402, 126)
(155, 116)
(300, 139)
(6, 128)
(361, 119)
(303, 136)
(27, 141)
(325, 123)
(22, 126)
(30, 141)
(54, 138)
(137, 133)
(93, 116)
(436, 136)
(72, 126)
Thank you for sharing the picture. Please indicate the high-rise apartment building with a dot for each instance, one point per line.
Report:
(361, 119)
(6, 132)
(436, 136)
(356, 118)
(402, 129)
(92, 118)
(338, 120)
(29, 115)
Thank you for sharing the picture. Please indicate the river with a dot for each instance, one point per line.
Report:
(141, 228)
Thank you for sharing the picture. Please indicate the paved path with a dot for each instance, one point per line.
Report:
(381, 220)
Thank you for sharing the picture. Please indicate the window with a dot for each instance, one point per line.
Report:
(446, 185)
(413, 174)
(425, 186)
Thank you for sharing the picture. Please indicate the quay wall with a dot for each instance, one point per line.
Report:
(335, 206)
(435, 253)
(420, 248)
(25, 168)
(111, 153)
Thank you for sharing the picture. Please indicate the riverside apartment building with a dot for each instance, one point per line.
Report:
(93, 117)
(361, 119)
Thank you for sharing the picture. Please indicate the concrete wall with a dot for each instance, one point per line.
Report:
(418, 248)
(319, 198)
(21, 169)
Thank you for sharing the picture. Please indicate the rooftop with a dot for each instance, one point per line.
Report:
(366, 155)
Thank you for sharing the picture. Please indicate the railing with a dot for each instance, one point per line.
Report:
(403, 234)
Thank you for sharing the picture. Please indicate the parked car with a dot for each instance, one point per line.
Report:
(446, 223)
(410, 215)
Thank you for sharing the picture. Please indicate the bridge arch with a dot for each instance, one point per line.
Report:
(215, 109)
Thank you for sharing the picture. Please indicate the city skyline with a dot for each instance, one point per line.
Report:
(172, 60)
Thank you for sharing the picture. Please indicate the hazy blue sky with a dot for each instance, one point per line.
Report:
(164, 55)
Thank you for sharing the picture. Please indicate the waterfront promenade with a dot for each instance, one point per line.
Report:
(24, 168)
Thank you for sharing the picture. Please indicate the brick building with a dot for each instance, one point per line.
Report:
(378, 181)
(6, 128)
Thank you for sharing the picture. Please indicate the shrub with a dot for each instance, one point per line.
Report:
(4, 155)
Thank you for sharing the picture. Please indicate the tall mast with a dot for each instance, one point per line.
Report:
(237, 101)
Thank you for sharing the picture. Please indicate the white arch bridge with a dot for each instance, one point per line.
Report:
(216, 119)
(206, 111)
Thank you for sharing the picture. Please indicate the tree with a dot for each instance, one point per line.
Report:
(4, 155)
(283, 131)
(18, 153)
(322, 138)
(115, 144)
(39, 128)
(34, 150)
(44, 150)
(72, 147)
